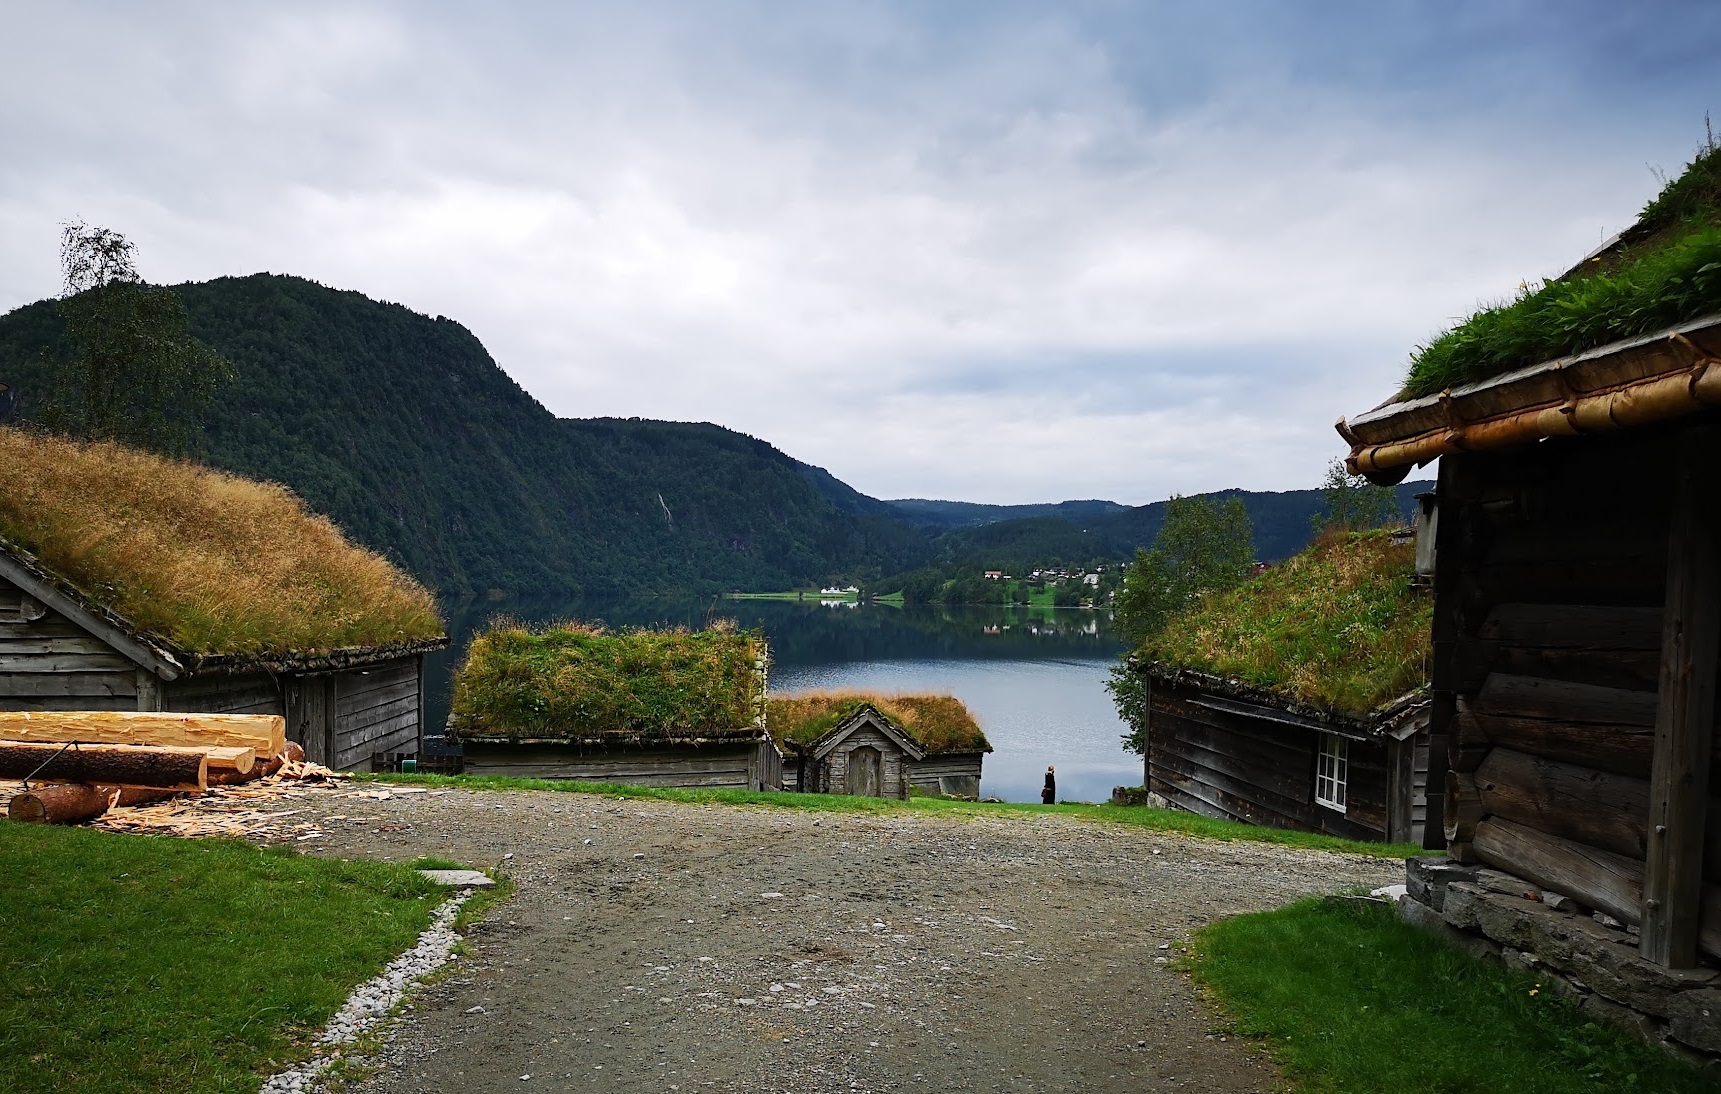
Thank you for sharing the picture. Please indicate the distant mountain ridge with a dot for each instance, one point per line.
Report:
(928, 513)
(403, 430)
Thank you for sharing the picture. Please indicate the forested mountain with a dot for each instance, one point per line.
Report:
(941, 515)
(402, 429)
(1281, 522)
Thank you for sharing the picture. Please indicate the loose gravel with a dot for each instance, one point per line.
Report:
(371, 1002)
(653, 946)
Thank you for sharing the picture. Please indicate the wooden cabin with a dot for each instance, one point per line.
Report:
(1577, 640)
(878, 746)
(645, 708)
(70, 644)
(1298, 699)
(1227, 750)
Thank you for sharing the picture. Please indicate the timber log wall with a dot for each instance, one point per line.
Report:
(1552, 571)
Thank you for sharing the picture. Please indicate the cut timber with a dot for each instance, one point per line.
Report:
(117, 765)
(265, 734)
(1564, 701)
(61, 803)
(128, 797)
(238, 760)
(1596, 878)
(1685, 719)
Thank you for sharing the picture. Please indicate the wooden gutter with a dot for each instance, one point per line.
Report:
(1655, 378)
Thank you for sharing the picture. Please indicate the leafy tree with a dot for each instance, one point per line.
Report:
(1351, 501)
(1204, 545)
(131, 370)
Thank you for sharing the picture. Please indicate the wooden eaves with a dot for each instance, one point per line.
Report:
(1661, 376)
(1398, 718)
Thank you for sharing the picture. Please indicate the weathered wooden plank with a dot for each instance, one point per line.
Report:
(67, 703)
(1685, 718)
(1598, 808)
(362, 691)
(52, 625)
(736, 777)
(1237, 785)
(70, 683)
(1291, 780)
(30, 642)
(1564, 701)
(1574, 626)
(1632, 670)
(248, 693)
(406, 704)
(64, 662)
(1250, 803)
(1620, 749)
(1612, 883)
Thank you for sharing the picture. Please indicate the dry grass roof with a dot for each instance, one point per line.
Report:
(1663, 271)
(211, 562)
(579, 682)
(939, 722)
(1337, 627)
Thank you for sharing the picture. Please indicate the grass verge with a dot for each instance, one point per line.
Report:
(1348, 998)
(1158, 820)
(142, 963)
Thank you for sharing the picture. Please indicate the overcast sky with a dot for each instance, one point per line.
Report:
(993, 251)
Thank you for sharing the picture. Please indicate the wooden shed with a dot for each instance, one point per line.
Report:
(1224, 749)
(72, 642)
(878, 746)
(1577, 640)
(670, 708)
(1298, 700)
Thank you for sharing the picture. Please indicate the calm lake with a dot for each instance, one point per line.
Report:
(1034, 677)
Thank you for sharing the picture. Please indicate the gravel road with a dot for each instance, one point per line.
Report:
(660, 947)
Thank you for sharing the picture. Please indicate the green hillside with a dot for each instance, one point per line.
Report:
(404, 430)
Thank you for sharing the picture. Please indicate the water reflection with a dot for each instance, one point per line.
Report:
(1034, 676)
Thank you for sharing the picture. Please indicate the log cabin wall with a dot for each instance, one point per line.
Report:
(377, 711)
(951, 774)
(1237, 767)
(721, 765)
(1550, 583)
(48, 662)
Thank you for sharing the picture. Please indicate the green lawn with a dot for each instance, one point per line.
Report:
(1159, 820)
(143, 963)
(1349, 999)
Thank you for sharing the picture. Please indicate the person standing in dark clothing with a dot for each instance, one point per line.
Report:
(1049, 796)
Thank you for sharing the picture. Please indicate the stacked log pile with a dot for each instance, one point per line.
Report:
(76, 766)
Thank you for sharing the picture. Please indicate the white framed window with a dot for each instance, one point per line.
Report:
(1331, 770)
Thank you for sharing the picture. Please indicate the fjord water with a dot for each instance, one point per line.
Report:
(1034, 677)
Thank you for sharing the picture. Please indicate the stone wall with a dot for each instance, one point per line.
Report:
(1584, 955)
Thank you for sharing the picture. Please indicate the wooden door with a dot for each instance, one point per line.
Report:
(866, 776)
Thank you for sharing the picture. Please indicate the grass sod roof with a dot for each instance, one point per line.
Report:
(1663, 271)
(579, 682)
(1336, 628)
(212, 563)
(941, 723)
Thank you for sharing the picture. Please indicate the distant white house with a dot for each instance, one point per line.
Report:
(1091, 579)
(834, 591)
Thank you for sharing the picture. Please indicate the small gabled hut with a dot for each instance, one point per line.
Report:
(1577, 618)
(878, 746)
(132, 582)
(670, 708)
(1296, 700)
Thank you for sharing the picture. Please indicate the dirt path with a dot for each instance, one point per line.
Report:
(660, 947)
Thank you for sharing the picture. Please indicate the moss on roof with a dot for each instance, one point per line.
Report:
(211, 562)
(1663, 271)
(1336, 627)
(941, 723)
(576, 681)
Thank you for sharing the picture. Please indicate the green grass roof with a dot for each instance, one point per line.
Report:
(579, 682)
(1663, 271)
(1337, 627)
(941, 723)
(210, 562)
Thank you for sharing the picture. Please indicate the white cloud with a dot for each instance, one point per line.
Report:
(974, 260)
